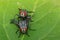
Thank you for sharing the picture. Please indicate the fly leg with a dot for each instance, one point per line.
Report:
(19, 34)
(29, 18)
(32, 29)
(28, 25)
(27, 34)
(12, 21)
(17, 30)
(30, 11)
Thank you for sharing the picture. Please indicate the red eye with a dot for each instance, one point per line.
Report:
(23, 13)
(23, 29)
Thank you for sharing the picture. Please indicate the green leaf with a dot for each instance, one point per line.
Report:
(46, 19)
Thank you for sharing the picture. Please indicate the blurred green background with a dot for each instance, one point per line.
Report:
(46, 19)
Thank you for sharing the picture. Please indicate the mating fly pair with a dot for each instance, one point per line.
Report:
(22, 21)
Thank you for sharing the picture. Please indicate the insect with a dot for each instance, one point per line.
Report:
(23, 13)
(22, 24)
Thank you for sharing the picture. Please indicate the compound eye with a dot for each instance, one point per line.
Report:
(22, 14)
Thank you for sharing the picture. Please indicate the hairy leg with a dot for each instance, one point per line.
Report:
(27, 34)
(17, 30)
(19, 35)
